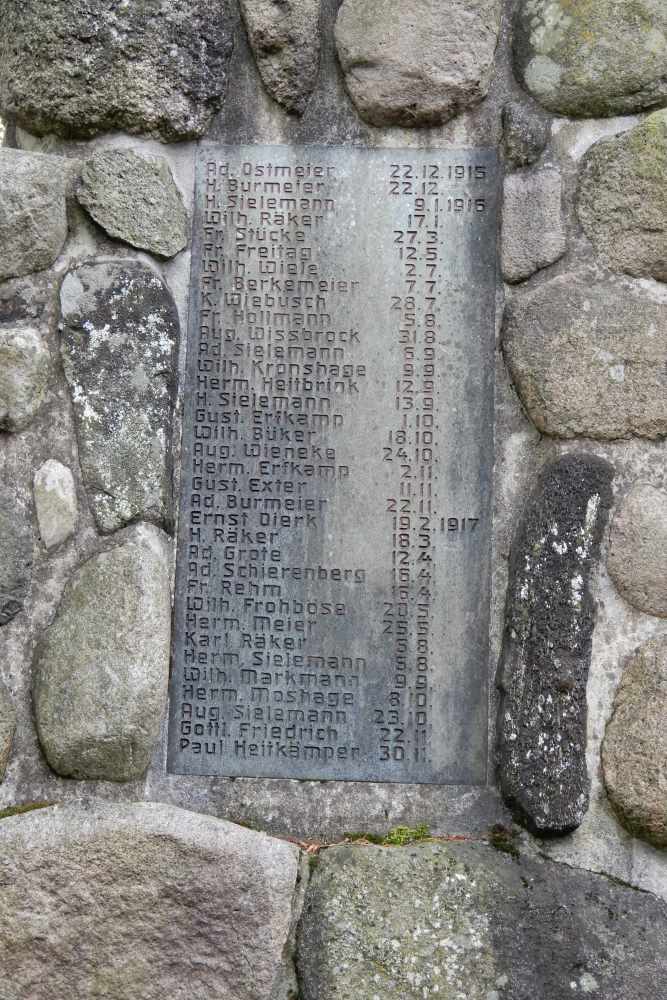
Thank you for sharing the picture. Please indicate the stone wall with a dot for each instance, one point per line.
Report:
(104, 104)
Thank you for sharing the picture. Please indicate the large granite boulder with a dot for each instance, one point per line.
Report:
(418, 63)
(134, 198)
(592, 59)
(549, 620)
(7, 728)
(637, 560)
(285, 38)
(101, 668)
(533, 229)
(141, 902)
(622, 201)
(33, 213)
(634, 751)
(587, 357)
(16, 541)
(120, 330)
(460, 921)
(25, 366)
(56, 506)
(150, 66)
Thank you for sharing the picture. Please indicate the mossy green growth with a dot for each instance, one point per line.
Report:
(23, 807)
(398, 836)
(504, 839)
(361, 835)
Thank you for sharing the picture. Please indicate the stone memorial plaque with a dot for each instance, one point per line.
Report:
(332, 586)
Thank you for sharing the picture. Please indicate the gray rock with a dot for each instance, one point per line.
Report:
(637, 560)
(134, 198)
(33, 214)
(587, 357)
(285, 38)
(7, 728)
(533, 231)
(15, 551)
(622, 199)
(549, 621)
(101, 668)
(25, 366)
(31, 301)
(465, 920)
(141, 902)
(420, 63)
(55, 503)
(634, 751)
(151, 66)
(592, 59)
(525, 134)
(120, 329)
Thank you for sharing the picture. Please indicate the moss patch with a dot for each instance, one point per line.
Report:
(23, 807)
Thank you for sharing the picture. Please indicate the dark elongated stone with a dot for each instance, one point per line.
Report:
(15, 551)
(120, 329)
(549, 621)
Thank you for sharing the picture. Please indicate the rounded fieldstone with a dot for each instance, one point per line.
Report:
(25, 365)
(101, 668)
(419, 63)
(637, 560)
(592, 59)
(587, 357)
(55, 503)
(142, 902)
(134, 198)
(533, 234)
(150, 66)
(119, 334)
(634, 751)
(285, 38)
(622, 199)
(7, 728)
(33, 215)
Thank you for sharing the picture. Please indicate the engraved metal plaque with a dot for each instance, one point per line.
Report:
(333, 572)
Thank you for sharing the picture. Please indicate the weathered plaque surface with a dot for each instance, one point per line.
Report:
(333, 569)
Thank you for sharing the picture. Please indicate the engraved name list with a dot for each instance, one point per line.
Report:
(332, 584)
